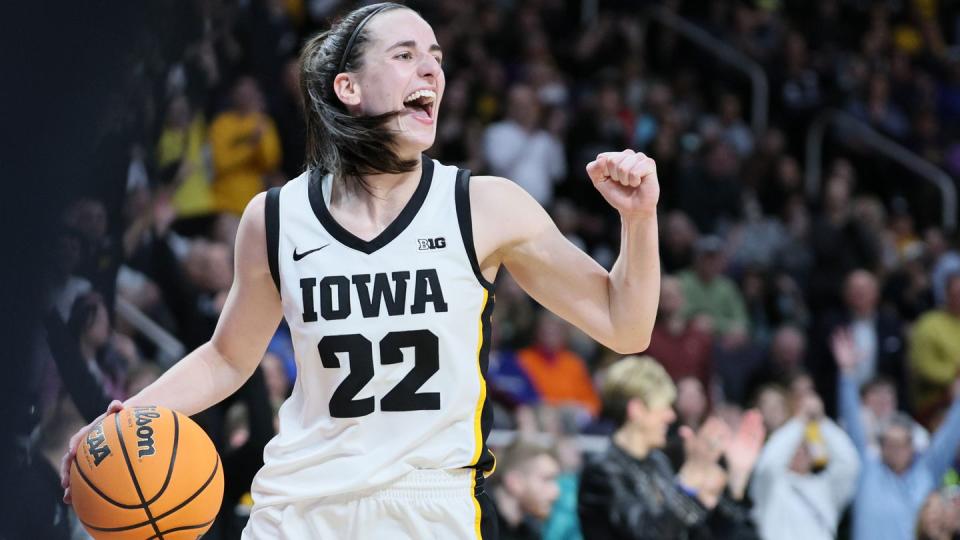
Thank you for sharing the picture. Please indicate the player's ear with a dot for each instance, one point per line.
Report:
(347, 90)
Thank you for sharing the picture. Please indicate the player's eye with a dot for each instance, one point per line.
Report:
(404, 56)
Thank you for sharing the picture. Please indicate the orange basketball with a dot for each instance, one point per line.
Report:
(146, 473)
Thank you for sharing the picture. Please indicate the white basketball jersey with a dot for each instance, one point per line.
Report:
(391, 339)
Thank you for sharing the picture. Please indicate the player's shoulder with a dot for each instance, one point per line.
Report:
(498, 189)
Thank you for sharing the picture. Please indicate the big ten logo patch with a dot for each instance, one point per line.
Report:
(97, 444)
(432, 243)
(143, 417)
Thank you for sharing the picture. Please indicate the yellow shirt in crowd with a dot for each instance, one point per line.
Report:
(193, 197)
(241, 157)
(935, 357)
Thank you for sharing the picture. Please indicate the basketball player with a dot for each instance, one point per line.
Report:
(384, 267)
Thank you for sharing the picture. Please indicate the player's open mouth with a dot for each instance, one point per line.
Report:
(420, 104)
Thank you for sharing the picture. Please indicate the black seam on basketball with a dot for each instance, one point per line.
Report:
(195, 494)
(136, 483)
(103, 495)
(184, 528)
(173, 459)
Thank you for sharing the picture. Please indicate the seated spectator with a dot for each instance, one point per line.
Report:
(893, 486)
(796, 494)
(631, 491)
(519, 149)
(706, 291)
(773, 405)
(935, 352)
(246, 148)
(524, 489)
(784, 361)
(558, 374)
(682, 347)
(90, 325)
(879, 397)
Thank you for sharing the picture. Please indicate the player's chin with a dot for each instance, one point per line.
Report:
(417, 138)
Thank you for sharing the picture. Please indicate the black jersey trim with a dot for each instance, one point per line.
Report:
(272, 215)
(345, 237)
(465, 220)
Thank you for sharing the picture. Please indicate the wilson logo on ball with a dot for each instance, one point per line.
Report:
(96, 444)
(144, 416)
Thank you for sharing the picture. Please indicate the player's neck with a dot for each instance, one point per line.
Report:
(383, 198)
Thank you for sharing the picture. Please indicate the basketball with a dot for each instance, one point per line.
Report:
(146, 473)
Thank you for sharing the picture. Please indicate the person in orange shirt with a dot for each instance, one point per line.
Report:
(246, 148)
(559, 374)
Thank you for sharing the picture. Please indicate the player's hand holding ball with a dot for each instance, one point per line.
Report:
(144, 472)
(628, 181)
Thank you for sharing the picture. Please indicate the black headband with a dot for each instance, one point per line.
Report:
(356, 32)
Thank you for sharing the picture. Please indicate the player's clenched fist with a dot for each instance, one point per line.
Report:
(627, 180)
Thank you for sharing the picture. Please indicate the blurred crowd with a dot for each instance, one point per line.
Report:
(802, 373)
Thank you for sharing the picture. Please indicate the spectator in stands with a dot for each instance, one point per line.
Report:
(878, 334)
(287, 109)
(631, 491)
(710, 192)
(90, 325)
(840, 243)
(679, 236)
(945, 260)
(524, 489)
(795, 494)
(519, 148)
(785, 359)
(935, 351)
(880, 404)
(706, 291)
(559, 375)
(939, 518)
(735, 130)
(246, 148)
(894, 485)
(181, 157)
(773, 405)
(683, 348)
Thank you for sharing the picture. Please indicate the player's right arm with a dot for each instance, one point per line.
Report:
(219, 367)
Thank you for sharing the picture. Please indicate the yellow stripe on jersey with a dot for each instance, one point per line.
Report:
(477, 430)
(476, 506)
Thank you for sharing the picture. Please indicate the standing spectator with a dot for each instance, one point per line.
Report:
(182, 159)
(524, 489)
(707, 291)
(840, 243)
(246, 148)
(518, 148)
(935, 351)
(893, 486)
(792, 498)
(880, 404)
(877, 333)
(631, 491)
(680, 346)
(559, 374)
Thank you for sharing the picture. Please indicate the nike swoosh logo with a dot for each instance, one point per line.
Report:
(298, 256)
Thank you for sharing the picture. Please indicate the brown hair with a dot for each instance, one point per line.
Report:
(338, 142)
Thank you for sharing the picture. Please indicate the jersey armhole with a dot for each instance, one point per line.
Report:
(272, 220)
(465, 221)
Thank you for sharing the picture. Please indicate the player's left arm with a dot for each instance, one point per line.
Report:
(616, 308)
